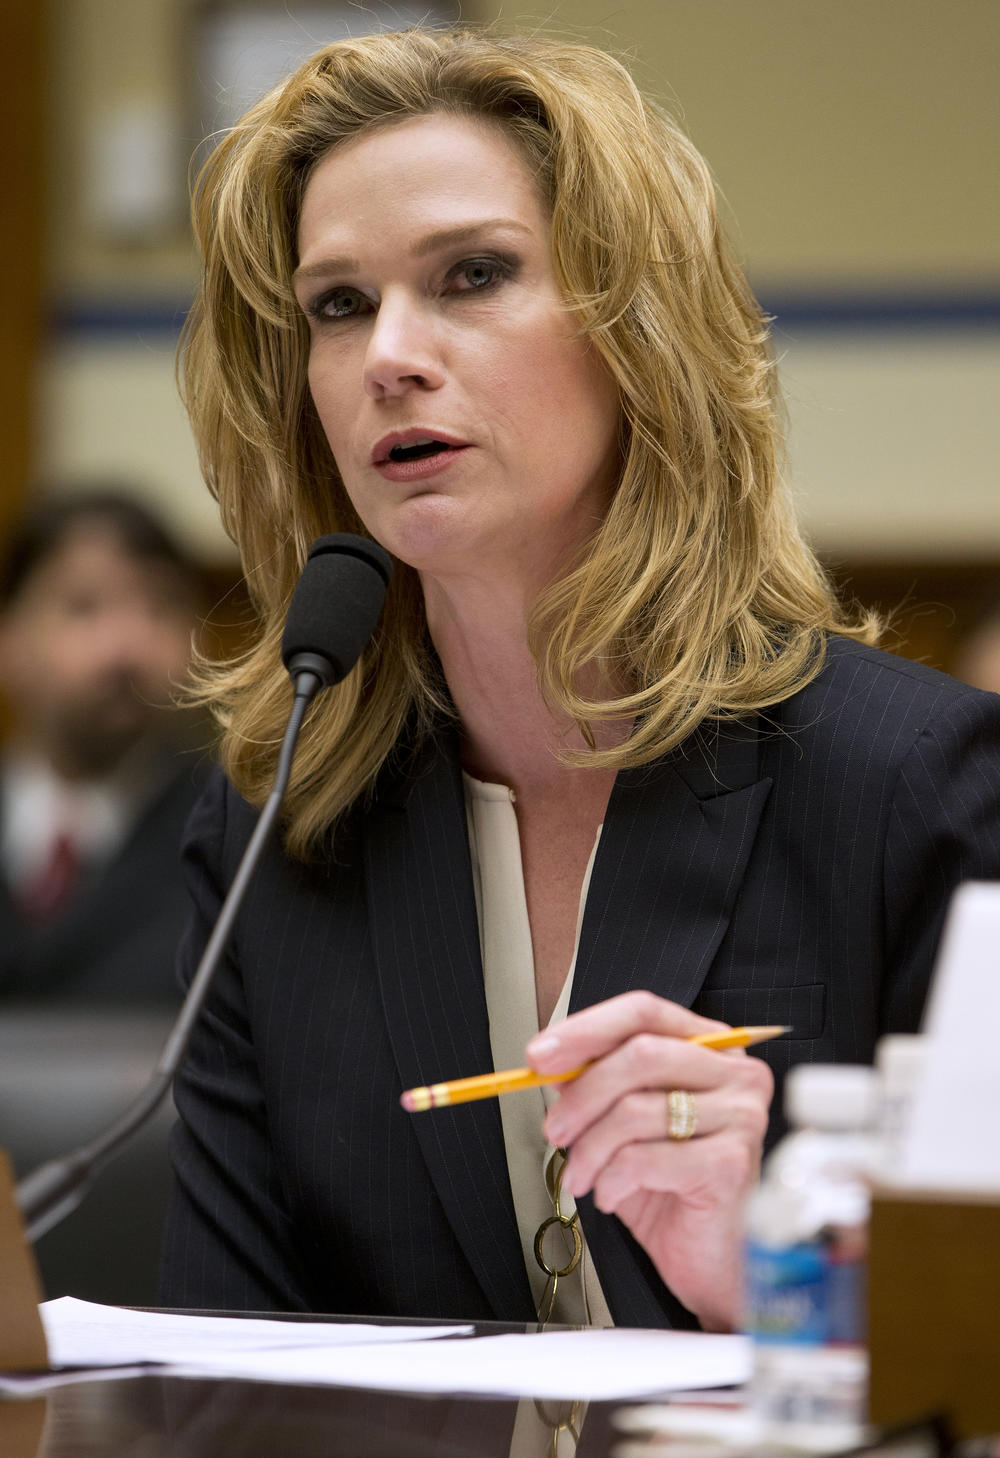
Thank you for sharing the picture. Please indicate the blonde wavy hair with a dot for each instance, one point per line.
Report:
(697, 591)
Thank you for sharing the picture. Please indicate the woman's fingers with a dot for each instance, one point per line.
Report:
(638, 1118)
(646, 1061)
(596, 1030)
(642, 1119)
(649, 1061)
(710, 1173)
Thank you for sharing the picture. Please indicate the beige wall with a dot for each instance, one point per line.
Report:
(856, 144)
(112, 65)
(854, 139)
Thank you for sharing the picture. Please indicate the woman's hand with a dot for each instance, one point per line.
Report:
(681, 1199)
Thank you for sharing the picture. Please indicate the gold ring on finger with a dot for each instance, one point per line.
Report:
(682, 1117)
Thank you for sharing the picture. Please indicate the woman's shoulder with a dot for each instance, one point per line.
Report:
(221, 821)
(844, 656)
(873, 697)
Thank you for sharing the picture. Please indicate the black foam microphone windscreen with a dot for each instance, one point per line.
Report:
(335, 605)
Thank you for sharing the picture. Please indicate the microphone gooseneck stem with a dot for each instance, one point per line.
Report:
(54, 1189)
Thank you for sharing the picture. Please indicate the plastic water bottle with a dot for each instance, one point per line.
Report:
(805, 1258)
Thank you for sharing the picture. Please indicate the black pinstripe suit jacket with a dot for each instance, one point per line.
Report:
(790, 869)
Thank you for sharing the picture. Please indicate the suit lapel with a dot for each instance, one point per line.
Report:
(672, 856)
(422, 913)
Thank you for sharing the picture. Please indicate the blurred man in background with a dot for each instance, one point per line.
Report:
(97, 609)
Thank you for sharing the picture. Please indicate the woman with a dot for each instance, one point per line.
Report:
(469, 295)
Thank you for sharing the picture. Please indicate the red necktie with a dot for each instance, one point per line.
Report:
(45, 894)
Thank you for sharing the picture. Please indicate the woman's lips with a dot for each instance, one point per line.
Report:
(420, 468)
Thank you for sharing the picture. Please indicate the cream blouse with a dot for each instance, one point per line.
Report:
(509, 977)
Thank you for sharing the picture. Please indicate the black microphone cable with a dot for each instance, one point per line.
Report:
(332, 615)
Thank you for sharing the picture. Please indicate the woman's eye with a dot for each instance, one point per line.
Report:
(479, 273)
(338, 303)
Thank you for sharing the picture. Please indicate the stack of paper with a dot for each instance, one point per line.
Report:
(593, 1364)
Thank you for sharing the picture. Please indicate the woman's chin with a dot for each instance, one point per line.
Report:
(432, 533)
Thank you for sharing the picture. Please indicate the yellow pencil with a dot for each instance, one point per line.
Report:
(489, 1085)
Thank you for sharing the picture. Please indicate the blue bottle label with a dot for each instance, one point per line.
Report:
(787, 1293)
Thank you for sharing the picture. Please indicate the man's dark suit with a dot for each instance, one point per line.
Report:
(115, 944)
(790, 869)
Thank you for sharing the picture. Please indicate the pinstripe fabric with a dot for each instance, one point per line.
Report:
(794, 868)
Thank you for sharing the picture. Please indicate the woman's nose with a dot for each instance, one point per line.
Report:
(402, 352)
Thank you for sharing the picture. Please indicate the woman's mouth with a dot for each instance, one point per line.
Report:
(417, 450)
(416, 458)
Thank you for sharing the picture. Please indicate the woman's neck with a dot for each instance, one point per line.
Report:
(509, 733)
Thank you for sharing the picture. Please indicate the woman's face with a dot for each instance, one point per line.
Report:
(474, 429)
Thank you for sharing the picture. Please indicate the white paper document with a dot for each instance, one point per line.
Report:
(592, 1364)
(86, 1339)
(83, 1334)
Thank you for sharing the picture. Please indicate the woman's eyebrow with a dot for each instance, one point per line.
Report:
(430, 243)
(443, 237)
(325, 266)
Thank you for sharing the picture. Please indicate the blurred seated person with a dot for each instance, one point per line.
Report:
(97, 609)
(978, 660)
